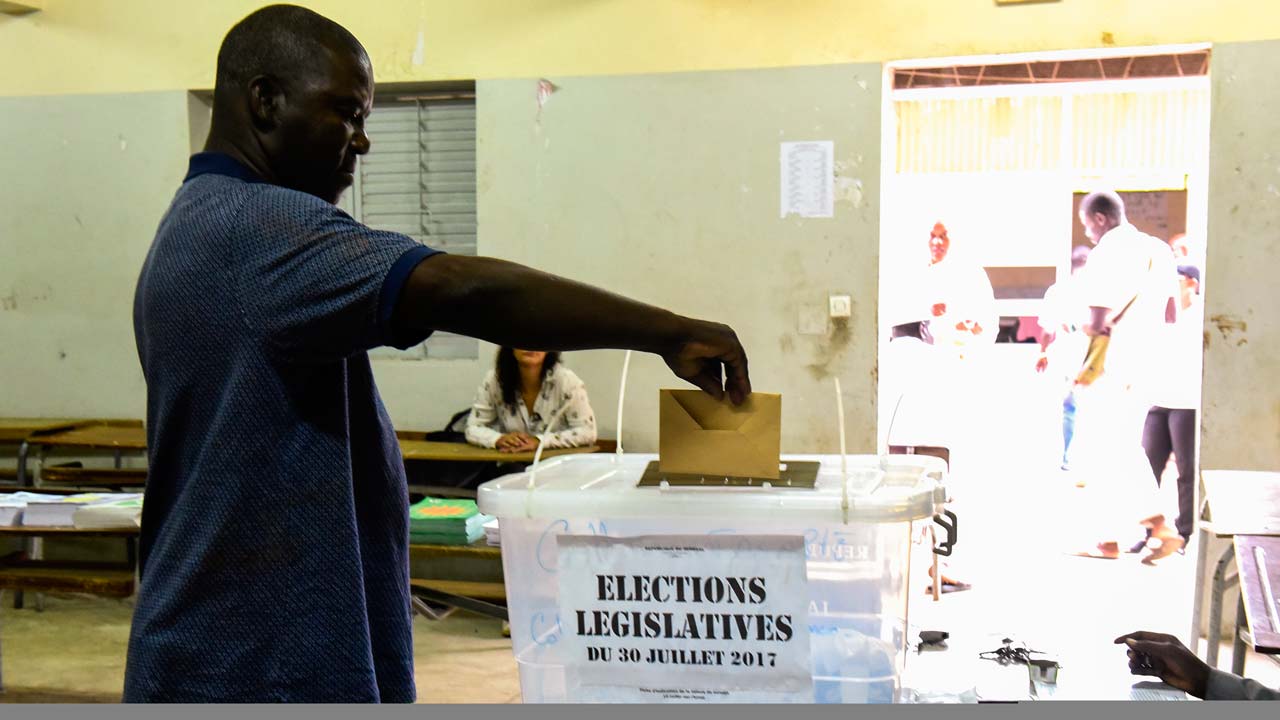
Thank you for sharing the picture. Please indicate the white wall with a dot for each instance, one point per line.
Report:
(1240, 429)
(87, 180)
(666, 188)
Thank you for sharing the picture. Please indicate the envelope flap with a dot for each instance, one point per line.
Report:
(712, 414)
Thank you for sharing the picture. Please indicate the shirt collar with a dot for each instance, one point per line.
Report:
(1119, 230)
(217, 163)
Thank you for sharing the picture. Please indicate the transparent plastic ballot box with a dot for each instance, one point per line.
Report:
(857, 526)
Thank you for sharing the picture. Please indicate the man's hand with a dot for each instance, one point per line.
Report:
(939, 309)
(711, 357)
(1165, 657)
(516, 442)
(1042, 364)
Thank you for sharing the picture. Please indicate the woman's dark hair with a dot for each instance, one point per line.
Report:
(509, 373)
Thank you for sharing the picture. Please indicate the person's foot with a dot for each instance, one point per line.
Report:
(948, 581)
(1138, 547)
(1107, 550)
(1170, 543)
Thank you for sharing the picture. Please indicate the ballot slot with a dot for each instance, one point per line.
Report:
(797, 475)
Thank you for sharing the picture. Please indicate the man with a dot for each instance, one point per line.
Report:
(1174, 393)
(274, 548)
(1165, 657)
(960, 296)
(913, 378)
(1062, 337)
(918, 400)
(1128, 285)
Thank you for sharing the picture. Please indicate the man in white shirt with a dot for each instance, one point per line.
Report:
(919, 401)
(1129, 285)
(915, 375)
(963, 313)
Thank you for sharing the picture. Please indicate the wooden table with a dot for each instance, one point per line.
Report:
(15, 430)
(119, 436)
(22, 430)
(37, 531)
(114, 435)
(1239, 503)
(432, 450)
(1258, 620)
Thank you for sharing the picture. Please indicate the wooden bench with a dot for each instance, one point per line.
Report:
(19, 574)
(73, 476)
(104, 579)
(460, 576)
(477, 597)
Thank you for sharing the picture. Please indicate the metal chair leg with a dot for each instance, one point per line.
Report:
(1240, 648)
(1197, 600)
(1215, 606)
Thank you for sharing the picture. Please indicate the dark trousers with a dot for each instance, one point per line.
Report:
(1172, 430)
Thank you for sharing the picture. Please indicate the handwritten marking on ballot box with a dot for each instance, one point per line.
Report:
(711, 618)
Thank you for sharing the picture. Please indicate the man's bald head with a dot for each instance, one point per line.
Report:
(1100, 212)
(286, 42)
(293, 91)
(1106, 203)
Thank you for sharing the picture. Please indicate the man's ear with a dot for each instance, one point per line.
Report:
(266, 101)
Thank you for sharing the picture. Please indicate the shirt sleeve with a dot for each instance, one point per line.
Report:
(1226, 686)
(578, 420)
(484, 414)
(316, 284)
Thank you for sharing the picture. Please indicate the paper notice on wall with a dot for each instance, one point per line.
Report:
(716, 618)
(807, 178)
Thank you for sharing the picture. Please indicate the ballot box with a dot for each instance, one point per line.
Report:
(626, 586)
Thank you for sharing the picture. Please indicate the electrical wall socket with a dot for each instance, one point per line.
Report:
(840, 306)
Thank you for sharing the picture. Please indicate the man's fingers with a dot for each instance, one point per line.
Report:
(708, 380)
(738, 379)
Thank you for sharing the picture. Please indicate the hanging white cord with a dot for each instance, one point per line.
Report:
(537, 458)
(884, 450)
(844, 463)
(622, 396)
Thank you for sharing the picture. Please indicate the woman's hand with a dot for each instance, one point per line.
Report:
(516, 442)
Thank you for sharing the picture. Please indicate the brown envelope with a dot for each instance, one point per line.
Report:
(698, 435)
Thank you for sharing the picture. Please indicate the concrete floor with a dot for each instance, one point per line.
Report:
(74, 652)
(1026, 586)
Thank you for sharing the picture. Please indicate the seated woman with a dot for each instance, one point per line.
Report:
(524, 392)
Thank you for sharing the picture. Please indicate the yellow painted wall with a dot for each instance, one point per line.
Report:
(78, 46)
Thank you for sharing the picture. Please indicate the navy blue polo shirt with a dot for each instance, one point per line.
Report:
(274, 548)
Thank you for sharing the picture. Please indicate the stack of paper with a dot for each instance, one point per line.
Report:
(60, 510)
(436, 521)
(12, 506)
(125, 511)
(491, 534)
